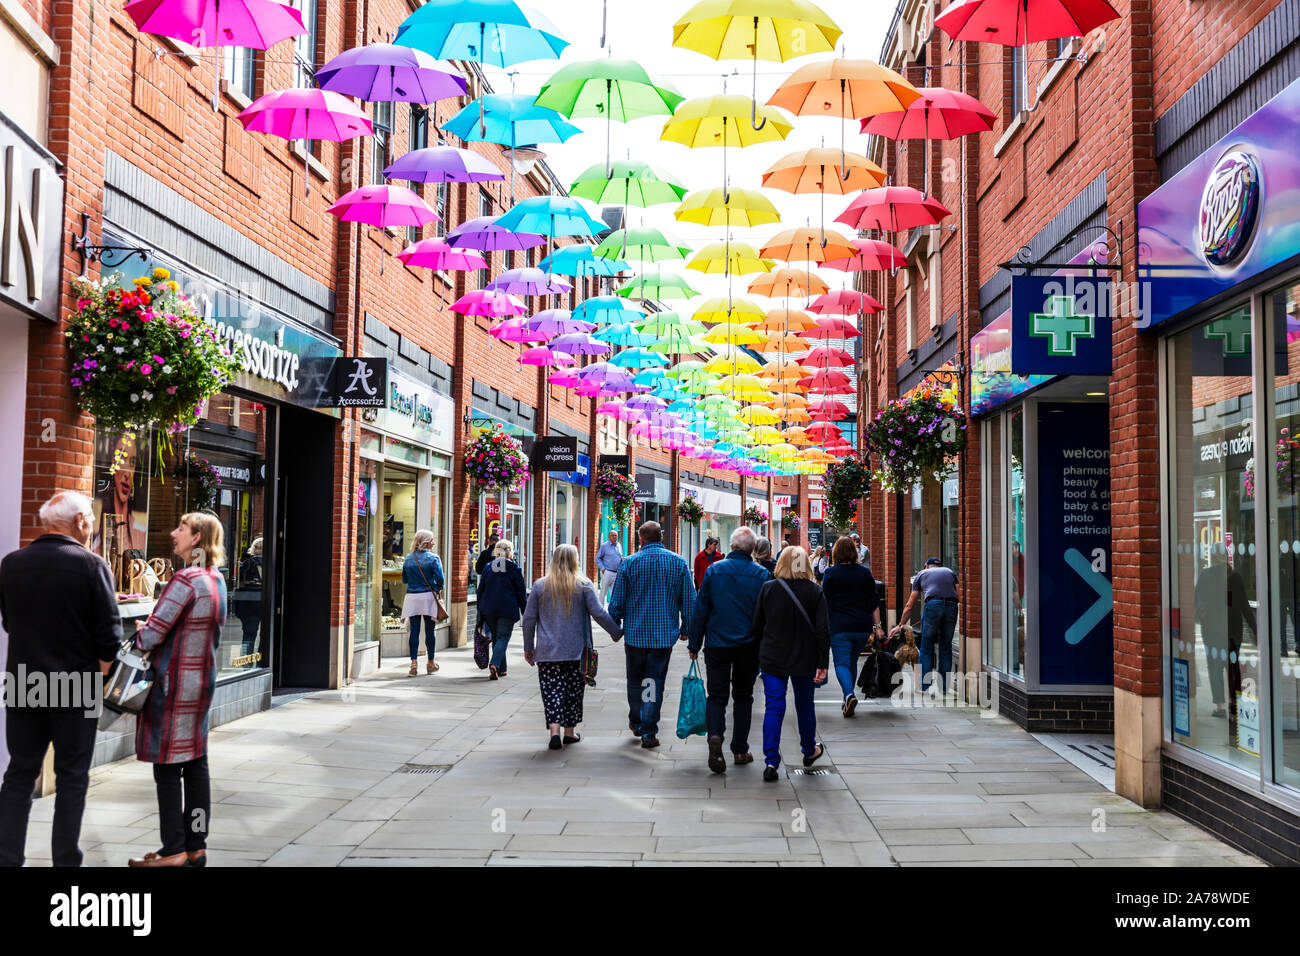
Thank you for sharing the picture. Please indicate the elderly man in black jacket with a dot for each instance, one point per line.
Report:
(58, 606)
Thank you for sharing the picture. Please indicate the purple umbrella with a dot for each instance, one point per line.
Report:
(382, 71)
(579, 343)
(646, 403)
(306, 114)
(529, 281)
(483, 233)
(557, 322)
(601, 372)
(443, 164)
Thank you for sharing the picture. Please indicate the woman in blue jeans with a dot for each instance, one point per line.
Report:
(422, 575)
(793, 651)
(502, 598)
(854, 613)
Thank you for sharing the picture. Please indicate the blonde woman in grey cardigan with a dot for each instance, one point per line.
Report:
(556, 623)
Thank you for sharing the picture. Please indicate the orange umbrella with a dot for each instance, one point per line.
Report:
(823, 171)
(785, 342)
(783, 372)
(786, 320)
(788, 282)
(808, 245)
(796, 402)
(795, 435)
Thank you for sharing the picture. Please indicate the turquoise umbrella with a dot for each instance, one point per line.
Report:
(492, 32)
(510, 119)
(579, 261)
(624, 334)
(604, 309)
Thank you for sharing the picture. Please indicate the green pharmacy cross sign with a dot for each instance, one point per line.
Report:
(1060, 325)
(1233, 333)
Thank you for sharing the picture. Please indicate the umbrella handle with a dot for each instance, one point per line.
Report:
(604, 22)
(754, 121)
(844, 172)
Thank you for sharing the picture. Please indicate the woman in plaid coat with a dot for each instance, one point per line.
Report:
(172, 730)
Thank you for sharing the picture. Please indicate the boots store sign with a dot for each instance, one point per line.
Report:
(31, 200)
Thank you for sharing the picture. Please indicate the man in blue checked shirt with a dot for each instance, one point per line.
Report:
(608, 559)
(653, 600)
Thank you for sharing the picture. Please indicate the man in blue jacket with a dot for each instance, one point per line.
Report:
(724, 610)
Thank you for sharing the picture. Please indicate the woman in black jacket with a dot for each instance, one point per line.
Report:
(794, 648)
(854, 615)
(502, 598)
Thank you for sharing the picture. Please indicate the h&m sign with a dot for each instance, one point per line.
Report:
(31, 220)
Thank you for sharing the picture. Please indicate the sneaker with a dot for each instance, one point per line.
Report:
(650, 743)
(850, 705)
(716, 762)
(770, 775)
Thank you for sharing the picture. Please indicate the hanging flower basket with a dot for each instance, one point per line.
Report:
(754, 516)
(845, 481)
(204, 482)
(496, 460)
(790, 521)
(915, 437)
(619, 490)
(1288, 466)
(143, 357)
(689, 509)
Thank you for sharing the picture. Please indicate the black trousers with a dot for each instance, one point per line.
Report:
(731, 672)
(183, 823)
(28, 732)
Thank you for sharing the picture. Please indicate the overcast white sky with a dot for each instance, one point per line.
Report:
(642, 30)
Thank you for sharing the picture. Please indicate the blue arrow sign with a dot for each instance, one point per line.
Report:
(1090, 618)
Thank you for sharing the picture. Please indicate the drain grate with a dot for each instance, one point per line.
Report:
(801, 772)
(425, 768)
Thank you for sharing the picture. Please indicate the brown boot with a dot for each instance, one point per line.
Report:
(196, 857)
(153, 859)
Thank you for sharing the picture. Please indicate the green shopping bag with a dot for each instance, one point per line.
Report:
(691, 717)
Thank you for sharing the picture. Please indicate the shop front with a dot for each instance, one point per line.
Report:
(567, 507)
(654, 501)
(403, 486)
(1221, 271)
(505, 512)
(816, 523)
(622, 465)
(722, 510)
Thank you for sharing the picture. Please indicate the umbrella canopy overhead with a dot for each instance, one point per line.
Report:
(443, 164)
(823, 170)
(723, 309)
(869, 254)
(666, 285)
(1018, 22)
(383, 206)
(489, 303)
(720, 207)
(735, 258)
(484, 234)
(845, 302)
(620, 90)
(550, 216)
(301, 113)
(513, 330)
(740, 30)
(789, 283)
(258, 24)
(786, 320)
(437, 254)
(892, 208)
(509, 119)
(724, 121)
(386, 71)
(643, 244)
(807, 245)
(937, 114)
(580, 261)
(529, 281)
(492, 32)
(848, 89)
(603, 309)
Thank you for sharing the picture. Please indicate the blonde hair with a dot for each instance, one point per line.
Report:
(504, 549)
(423, 540)
(563, 579)
(211, 549)
(793, 564)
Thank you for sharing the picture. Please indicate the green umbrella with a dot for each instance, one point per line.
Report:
(662, 322)
(619, 90)
(675, 341)
(645, 244)
(629, 182)
(665, 285)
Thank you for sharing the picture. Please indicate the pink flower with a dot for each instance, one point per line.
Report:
(146, 368)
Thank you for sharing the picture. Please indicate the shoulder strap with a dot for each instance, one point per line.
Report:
(421, 570)
(797, 603)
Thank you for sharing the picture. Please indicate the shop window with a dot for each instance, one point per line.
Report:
(365, 625)
(383, 126)
(1016, 612)
(142, 486)
(1218, 477)
(304, 45)
(241, 71)
(991, 441)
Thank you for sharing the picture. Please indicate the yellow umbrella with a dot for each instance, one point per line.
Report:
(786, 320)
(734, 258)
(789, 403)
(744, 387)
(730, 333)
(758, 415)
(808, 245)
(784, 342)
(788, 282)
(768, 30)
(718, 310)
(722, 207)
(764, 435)
(724, 121)
(739, 363)
(783, 449)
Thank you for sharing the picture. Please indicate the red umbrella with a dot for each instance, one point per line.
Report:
(844, 302)
(827, 410)
(1018, 22)
(824, 432)
(825, 356)
(892, 208)
(832, 327)
(828, 382)
(872, 254)
(938, 114)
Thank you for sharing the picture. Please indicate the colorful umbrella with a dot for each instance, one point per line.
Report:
(492, 32)
(730, 258)
(580, 343)
(788, 282)
(827, 409)
(436, 254)
(541, 355)
(510, 119)
(661, 286)
(741, 29)
(869, 254)
(891, 209)
(826, 357)
(550, 216)
(644, 244)
(723, 121)
(381, 207)
(845, 302)
(513, 330)
(807, 245)
(484, 233)
(628, 182)
(557, 322)
(489, 303)
(602, 309)
(624, 334)
(937, 114)
(806, 172)
(306, 114)
(833, 327)
(786, 320)
(638, 358)
(443, 164)
(732, 334)
(720, 207)
(1021, 22)
(385, 71)
(828, 382)
(579, 261)
(529, 281)
(727, 310)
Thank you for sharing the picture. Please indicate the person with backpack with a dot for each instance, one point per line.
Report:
(791, 623)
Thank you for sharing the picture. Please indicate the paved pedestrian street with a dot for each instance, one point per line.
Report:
(453, 770)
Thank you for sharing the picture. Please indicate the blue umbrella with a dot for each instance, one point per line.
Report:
(492, 32)
(581, 262)
(604, 309)
(550, 216)
(638, 358)
(624, 334)
(510, 119)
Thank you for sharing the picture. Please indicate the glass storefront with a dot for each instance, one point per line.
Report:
(143, 483)
(513, 522)
(994, 510)
(1016, 609)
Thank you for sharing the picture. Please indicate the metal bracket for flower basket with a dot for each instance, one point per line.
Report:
(94, 252)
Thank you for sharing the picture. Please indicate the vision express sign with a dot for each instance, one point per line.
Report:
(555, 453)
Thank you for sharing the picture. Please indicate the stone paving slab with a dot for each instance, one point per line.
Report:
(321, 781)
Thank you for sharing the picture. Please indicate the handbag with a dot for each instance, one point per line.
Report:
(691, 717)
(803, 612)
(441, 614)
(482, 645)
(590, 658)
(129, 680)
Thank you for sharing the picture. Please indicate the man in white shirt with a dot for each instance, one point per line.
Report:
(608, 559)
(864, 553)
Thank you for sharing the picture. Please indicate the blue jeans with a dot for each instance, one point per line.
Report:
(938, 621)
(646, 663)
(846, 648)
(429, 639)
(774, 715)
(500, 628)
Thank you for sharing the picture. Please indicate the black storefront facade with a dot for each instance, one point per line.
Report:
(261, 457)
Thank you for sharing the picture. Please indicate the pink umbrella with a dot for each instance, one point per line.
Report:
(832, 327)
(566, 378)
(938, 114)
(541, 355)
(892, 208)
(1019, 22)
(306, 114)
(826, 356)
(828, 382)
(844, 302)
(489, 303)
(513, 330)
(529, 281)
(436, 254)
(827, 409)
(381, 207)
(619, 410)
(872, 254)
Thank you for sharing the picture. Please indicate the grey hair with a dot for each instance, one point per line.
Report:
(504, 549)
(61, 510)
(742, 539)
(762, 548)
(423, 540)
